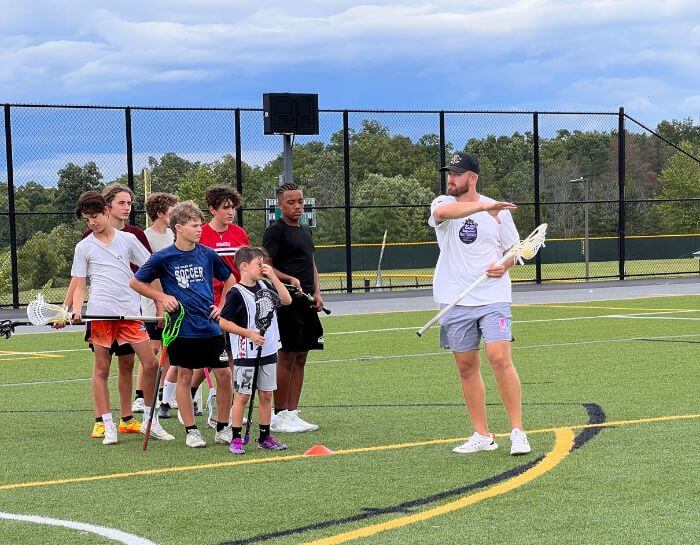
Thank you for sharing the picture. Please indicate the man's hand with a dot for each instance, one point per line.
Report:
(318, 302)
(493, 208)
(496, 270)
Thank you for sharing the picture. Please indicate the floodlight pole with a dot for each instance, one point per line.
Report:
(586, 254)
(287, 154)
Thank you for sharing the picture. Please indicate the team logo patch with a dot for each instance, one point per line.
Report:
(455, 159)
(504, 325)
(468, 232)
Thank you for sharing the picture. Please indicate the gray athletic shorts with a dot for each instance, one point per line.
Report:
(267, 378)
(462, 328)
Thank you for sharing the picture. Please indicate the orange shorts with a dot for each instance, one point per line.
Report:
(105, 332)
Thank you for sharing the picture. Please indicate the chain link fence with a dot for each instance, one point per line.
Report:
(621, 199)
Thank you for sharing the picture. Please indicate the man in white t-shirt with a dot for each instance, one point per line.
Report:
(473, 233)
(104, 257)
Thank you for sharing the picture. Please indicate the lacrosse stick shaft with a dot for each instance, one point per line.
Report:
(293, 291)
(461, 296)
(253, 389)
(154, 399)
(207, 375)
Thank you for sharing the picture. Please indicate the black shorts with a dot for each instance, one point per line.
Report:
(300, 327)
(115, 350)
(154, 333)
(197, 353)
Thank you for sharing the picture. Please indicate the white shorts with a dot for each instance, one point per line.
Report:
(243, 378)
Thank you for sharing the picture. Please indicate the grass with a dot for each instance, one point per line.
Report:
(628, 484)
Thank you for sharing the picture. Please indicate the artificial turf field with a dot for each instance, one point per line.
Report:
(611, 404)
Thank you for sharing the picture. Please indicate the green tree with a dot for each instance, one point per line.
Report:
(38, 262)
(680, 180)
(74, 180)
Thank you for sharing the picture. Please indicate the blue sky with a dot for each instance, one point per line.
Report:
(439, 54)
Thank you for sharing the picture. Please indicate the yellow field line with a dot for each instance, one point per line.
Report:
(26, 355)
(564, 440)
(378, 448)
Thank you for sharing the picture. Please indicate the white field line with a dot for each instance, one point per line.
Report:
(630, 317)
(109, 533)
(417, 355)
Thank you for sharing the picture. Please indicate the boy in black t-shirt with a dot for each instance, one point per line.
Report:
(291, 251)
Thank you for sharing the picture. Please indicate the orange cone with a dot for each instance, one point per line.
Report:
(318, 450)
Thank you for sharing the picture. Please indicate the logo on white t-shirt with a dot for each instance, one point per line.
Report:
(468, 231)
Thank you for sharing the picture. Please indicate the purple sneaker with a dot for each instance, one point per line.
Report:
(237, 446)
(271, 444)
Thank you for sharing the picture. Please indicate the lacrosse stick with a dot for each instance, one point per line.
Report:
(171, 329)
(40, 312)
(293, 291)
(211, 400)
(525, 249)
(266, 301)
(7, 327)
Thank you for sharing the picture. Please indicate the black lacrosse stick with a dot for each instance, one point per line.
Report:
(7, 327)
(293, 291)
(266, 301)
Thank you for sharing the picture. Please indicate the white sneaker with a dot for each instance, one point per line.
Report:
(110, 435)
(476, 443)
(224, 436)
(137, 405)
(285, 423)
(195, 439)
(157, 431)
(518, 442)
(302, 423)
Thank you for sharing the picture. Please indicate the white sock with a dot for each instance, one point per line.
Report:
(169, 391)
(107, 420)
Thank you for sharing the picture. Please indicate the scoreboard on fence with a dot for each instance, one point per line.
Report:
(308, 216)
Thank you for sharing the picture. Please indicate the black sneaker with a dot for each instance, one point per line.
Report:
(164, 410)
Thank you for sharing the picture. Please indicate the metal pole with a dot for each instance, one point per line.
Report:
(11, 208)
(348, 222)
(287, 177)
(129, 159)
(536, 189)
(443, 151)
(621, 188)
(239, 163)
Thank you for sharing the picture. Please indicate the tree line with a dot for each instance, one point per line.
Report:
(392, 179)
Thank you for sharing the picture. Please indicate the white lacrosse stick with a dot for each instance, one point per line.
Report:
(40, 312)
(525, 249)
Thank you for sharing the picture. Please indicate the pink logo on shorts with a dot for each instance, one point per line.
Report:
(504, 324)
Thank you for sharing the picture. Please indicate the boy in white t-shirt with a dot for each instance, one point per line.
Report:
(160, 236)
(104, 257)
(473, 233)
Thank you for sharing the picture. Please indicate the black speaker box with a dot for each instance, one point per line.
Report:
(290, 113)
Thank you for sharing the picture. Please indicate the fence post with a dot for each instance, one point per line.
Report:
(129, 159)
(443, 175)
(11, 207)
(621, 188)
(348, 223)
(536, 189)
(239, 167)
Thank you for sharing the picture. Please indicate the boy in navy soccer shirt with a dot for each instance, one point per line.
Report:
(186, 271)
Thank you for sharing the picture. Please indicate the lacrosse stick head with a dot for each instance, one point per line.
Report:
(266, 301)
(40, 312)
(7, 328)
(171, 327)
(528, 248)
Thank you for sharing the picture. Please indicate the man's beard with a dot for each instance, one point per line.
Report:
(455, 191)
